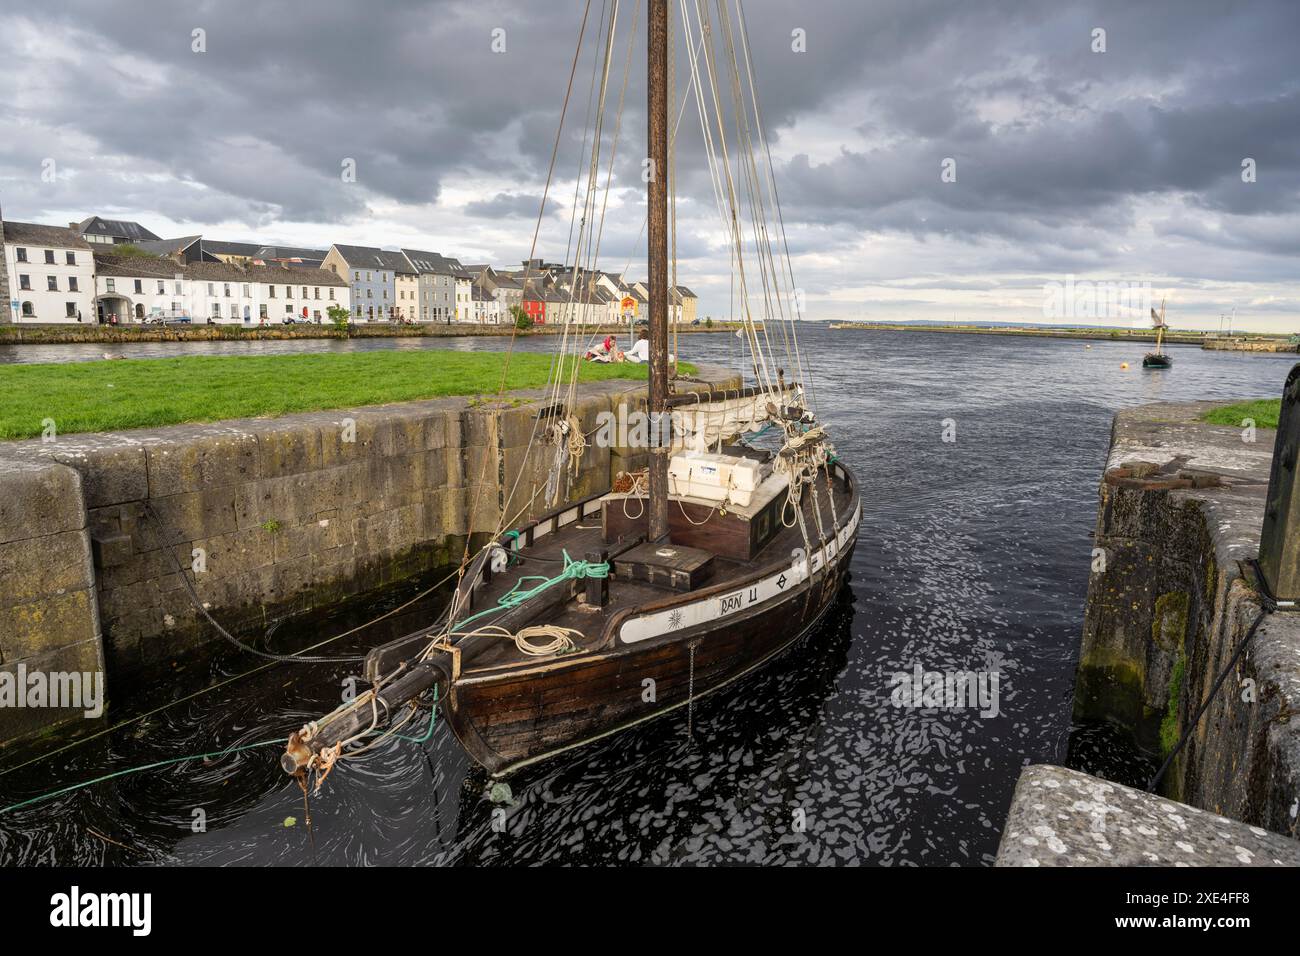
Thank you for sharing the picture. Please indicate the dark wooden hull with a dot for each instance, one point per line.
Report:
(1157, 360)
(518, 716)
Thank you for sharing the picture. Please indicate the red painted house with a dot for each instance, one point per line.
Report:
(535, 305)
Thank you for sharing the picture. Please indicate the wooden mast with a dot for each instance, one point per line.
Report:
(657, 248)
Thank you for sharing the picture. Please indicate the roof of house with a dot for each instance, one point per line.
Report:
(222, 271)
(219, 248)
(433, 263)
(116, 228)
(167, 247)
(371, 257)
(687, 293)
(292, 252)
(107, 264)
(291, 274)
(33, 233)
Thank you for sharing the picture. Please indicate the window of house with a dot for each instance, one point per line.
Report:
(139, 286)
(177, 290)
(25, 282)
(234, 311)
(261, 310)
(226, 288)
(304, 292)
(331, 295)
(21, 253)
(288, 292)
(49, 257)
(216, 310)
(28, 311)
(52, 283)
(71, 309)
(288, 309)
(317, 291)
(367, 276)
(247, 293)
(176, 308)
(72, 258)
(72, 284)
(271, 289)
(370, 294)
(356, 277)
(212, 290)
(358, 308)
(162, 287)
(108, 285)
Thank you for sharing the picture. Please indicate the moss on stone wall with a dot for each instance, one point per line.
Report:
(1169, 726)
(1169, 623)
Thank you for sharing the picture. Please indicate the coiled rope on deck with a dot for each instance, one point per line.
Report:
(573, 570)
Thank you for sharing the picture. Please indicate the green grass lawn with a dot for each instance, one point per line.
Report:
(1264, 411)
(145, 393)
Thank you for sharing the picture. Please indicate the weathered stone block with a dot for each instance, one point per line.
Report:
(38, 498)
(29, 630)
(112, 549)
(286, 448)
(44, 567)
(193, 515)
(207, 458)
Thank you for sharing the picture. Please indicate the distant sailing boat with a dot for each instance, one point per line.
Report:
(1159, 358)
(719, 556)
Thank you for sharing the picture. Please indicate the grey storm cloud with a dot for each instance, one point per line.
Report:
(1061, 153)
(508, 206)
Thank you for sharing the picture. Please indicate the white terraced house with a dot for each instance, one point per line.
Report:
(51, 274)
(139, 288)
(136, 289)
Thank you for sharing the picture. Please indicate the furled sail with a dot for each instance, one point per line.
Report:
(704, 425)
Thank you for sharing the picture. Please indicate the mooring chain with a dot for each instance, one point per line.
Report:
(690, 690)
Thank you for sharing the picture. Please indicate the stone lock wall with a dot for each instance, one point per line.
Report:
(1180, 513)
(49, 618)
(285, 515)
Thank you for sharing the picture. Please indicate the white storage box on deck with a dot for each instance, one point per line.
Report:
(715, 477)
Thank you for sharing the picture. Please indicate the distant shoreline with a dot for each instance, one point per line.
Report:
(1246, 341)
(62, 334)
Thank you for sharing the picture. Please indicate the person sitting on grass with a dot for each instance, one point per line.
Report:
(640, 352)
(606, 351)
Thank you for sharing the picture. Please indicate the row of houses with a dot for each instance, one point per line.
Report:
(112, 271)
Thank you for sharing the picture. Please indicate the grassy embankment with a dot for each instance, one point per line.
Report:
(1264, 411)
(147, 393)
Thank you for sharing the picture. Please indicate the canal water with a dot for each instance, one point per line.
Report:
(973, 556)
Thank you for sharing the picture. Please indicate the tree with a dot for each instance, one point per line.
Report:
(522, 320)
(339, 316)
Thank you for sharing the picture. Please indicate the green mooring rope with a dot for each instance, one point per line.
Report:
(573, 570)
(424, 738)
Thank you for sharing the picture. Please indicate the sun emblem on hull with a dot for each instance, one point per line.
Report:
(675, 619)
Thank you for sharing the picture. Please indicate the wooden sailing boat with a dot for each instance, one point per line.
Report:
(712, 563)
(1159, 358)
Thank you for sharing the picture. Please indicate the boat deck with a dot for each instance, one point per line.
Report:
(544, 558)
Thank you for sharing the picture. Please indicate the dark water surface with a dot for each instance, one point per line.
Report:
(973, 555)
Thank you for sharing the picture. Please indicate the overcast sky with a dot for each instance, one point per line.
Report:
(1115, 166)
